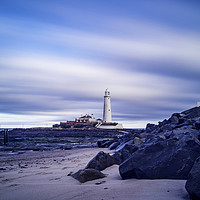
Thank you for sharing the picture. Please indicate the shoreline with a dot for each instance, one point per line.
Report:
(46, 139)
(45, 175)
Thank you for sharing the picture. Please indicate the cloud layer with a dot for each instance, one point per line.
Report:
(57, 61)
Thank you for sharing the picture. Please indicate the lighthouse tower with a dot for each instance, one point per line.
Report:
(107, 119)
(107, 107)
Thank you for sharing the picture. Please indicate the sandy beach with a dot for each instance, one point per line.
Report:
(46, 175)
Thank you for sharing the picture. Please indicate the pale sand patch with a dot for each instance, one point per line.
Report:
(44, 176)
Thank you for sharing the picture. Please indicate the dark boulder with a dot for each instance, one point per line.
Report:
(114, 145)
(150, 127)
(163, 123)
(166, 127)
(138, 141)
(177, 120)
(143, 135)
(131, 148)
(174, 119)
(197, 125)
(123, 144)
(117, 156)
(87, 175)
(101, 143)
(101, 161)
(152, 139)
(169, 134)
(185, 130)
(193, 182)
(181, 121)
(191, 113)
(167, 159)
(105, 144)
(108, 143)
(125, 153)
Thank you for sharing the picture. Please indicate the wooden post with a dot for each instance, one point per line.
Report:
(5, 136)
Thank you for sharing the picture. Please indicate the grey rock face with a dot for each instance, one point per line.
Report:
(193, 182)
(88, 175)
(168, 159)
(101, 161)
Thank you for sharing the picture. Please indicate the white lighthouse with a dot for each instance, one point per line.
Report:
(107, 118)
(107, 108)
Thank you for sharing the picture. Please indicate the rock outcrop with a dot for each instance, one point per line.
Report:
(193, 182)
(168, 159)
(168, 149)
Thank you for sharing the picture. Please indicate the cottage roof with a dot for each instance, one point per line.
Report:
(86, 116)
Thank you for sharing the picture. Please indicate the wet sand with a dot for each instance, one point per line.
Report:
(45, 176)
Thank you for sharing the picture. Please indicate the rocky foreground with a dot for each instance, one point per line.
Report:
(46, 175)
(169, 150)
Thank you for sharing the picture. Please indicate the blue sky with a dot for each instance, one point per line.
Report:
(58, 57)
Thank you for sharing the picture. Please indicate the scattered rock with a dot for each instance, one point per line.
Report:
(123, 144)
(70, 173)
(101, 161)
(105, 143)
(137, 141)
(193, 182)
(100, 143)
(87, 175)
(98, 183)
(114, 145)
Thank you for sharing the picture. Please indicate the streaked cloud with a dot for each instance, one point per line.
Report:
(60, 68)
